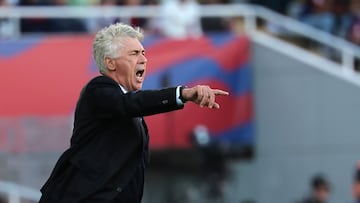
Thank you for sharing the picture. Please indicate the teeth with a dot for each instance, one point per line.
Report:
(139, 73)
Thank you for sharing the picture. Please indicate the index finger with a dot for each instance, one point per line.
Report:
(220, 92)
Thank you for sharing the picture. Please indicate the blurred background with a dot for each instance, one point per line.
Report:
(288, 132)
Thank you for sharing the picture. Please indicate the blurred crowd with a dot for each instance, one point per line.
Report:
(338, 17)
(183, 18)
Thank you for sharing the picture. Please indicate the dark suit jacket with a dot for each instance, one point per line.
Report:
(108, 141)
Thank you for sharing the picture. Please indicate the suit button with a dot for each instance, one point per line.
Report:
(118, 189)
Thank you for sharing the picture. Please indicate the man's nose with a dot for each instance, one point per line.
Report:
(143, 59)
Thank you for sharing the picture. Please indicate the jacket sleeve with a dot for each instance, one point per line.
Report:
(107, 101)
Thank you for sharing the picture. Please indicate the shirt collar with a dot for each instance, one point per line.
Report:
(123, 89)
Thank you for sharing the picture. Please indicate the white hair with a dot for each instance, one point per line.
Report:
(108, 41)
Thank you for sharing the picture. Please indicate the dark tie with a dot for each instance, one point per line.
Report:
(145, 138)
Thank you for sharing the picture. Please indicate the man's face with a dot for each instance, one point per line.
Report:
(130, 68)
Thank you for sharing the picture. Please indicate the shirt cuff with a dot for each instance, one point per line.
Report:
(178, 100)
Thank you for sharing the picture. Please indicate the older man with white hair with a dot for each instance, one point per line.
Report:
(109, 146)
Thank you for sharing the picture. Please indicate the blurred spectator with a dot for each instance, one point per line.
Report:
(338, 17)
(153, 25)
(181, 19)
(133, 21)
(98, 23)
(295, 8)
(318, 13)
(7, 27)
(69, 25)
(215, 167)
(95, 24)
(342, 17)
(214, 24)
(353, 33)
(356, 184)
(331, 16)
(30, 25)
(320, 190)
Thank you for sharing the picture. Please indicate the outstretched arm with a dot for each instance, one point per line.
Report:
(202, 95)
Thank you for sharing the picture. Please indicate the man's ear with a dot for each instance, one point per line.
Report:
(110, 63)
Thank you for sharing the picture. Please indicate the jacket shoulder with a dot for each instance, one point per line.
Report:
(97, 81)
(102, 80)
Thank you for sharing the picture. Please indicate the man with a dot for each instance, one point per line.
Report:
(109, 145)
(181, 19)
(320, 190)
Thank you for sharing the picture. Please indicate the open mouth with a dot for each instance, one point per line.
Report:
(140, 73)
